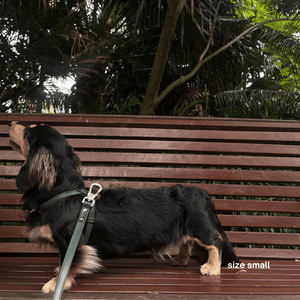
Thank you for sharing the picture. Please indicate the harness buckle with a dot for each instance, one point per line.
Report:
(93, 193)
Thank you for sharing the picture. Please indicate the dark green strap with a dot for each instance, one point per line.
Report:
(61, 196)
(64, 271)
(90, 223)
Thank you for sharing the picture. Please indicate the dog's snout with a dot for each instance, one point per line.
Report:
(12, 123)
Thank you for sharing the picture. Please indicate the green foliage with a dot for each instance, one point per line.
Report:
(260, 104)
(109, 46)
(272, 90)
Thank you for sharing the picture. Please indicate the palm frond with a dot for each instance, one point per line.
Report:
(259, 104)
(288, 8)
(279, 42)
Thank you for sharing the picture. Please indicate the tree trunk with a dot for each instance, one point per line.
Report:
(150, 101)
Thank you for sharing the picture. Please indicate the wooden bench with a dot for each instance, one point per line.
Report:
(250, 167)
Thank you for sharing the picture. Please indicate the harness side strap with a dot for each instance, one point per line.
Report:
(61, 196)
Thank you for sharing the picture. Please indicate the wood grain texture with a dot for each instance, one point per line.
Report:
(248, 166)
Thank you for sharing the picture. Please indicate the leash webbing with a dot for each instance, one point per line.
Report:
(64, 271)
(88, 205)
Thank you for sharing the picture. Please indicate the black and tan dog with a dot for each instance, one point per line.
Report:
(127, 220)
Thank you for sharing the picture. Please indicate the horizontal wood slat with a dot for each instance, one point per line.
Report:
(266, 253)
(17, 215)
(215, 135)
(14, 232)
(214, 189)
(179, 147)
(12, 215)
(10, 199)
(178, 174)
(259, 221)
(33, 248)
(25, 248)
(263, 238)
(152, 122)
(257, 206)
(220, 204)
(256, 238)
(169, 134)
(167, 159)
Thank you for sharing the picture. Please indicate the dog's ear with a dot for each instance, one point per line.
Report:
(42, 169)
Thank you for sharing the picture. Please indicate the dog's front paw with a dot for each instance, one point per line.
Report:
(209, 269)
(49, 287)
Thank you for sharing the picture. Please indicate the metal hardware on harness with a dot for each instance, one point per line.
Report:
(88, 206)
(90, 196)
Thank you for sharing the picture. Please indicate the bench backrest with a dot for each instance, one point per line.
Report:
(250, 167)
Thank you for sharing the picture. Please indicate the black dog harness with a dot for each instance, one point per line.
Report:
(87, 214)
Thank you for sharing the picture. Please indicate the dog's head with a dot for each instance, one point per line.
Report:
(49, 159)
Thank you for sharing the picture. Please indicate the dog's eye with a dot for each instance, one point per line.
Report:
(25, 135)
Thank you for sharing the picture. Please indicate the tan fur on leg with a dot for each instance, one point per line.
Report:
(88, 263)
(213, 265)
(49, 287)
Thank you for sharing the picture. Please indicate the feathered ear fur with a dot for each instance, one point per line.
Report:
(42, 169)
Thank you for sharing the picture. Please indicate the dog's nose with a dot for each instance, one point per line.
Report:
(12, 123)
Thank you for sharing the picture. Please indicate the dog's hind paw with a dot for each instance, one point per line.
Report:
(209, 269)
(49, 287)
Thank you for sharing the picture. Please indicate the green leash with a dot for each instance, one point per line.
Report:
(88, 204)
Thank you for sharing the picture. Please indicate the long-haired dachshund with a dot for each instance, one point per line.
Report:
(126, 221)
